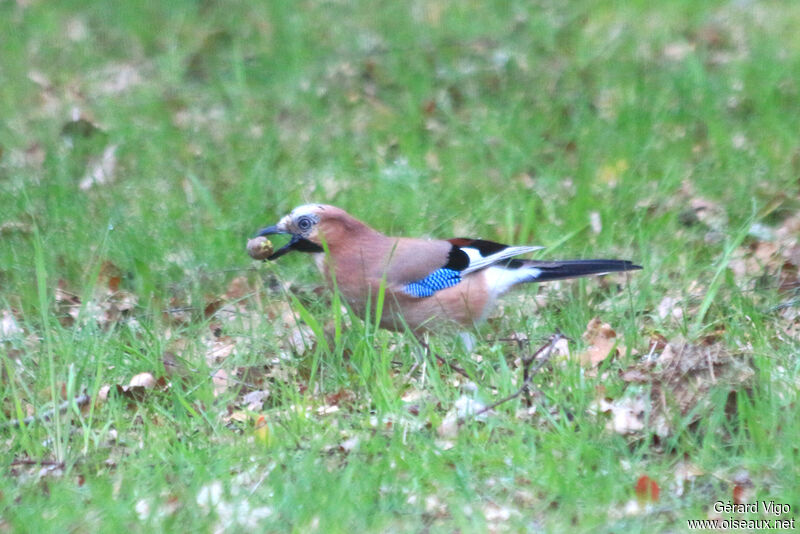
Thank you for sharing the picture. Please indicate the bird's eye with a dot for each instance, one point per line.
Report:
(304, 223)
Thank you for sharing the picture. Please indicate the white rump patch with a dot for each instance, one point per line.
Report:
(501, 279)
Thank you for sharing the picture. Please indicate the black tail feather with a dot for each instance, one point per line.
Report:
(559, 270)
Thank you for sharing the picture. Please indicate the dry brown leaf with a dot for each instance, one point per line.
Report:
(627, 414)
(145, 380)
(595, 222)
(681, 377)
(349, 445)
(601, 339)
(174, 367)
(700, 211)
(238, 288)
(9, 327)
(463, 408)
(254, 400)
(114, 79)
(218, 349)
(685, 472)
(107, 306)
(15, 227)
(261, 432)
(80, 127)
(677, 51)
(239, 416)
(646, 489)
(743, 489)
(610, 173)
(435, 507)
(341, 397)
(448, 428)
(100, 171)
(67, 303)
(669, 307)
(636, 375)
(221, 382)
(102, 394)
(497, 516)
(300, 339)
(139, 385)
(561, 348)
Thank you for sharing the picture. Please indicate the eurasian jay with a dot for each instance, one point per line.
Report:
(428, 283)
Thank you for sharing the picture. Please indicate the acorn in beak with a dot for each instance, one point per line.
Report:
(297, 242)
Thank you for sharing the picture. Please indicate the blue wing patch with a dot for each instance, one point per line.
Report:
(438, 279)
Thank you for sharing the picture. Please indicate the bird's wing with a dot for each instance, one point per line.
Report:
(437, 280)
(482, 253)
(464, 256)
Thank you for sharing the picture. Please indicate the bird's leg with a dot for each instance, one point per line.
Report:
(429, 351)
(413, 368)
(417, 357)
(527, 362)
(528, 372)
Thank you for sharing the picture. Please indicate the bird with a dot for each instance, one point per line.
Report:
(427, 284)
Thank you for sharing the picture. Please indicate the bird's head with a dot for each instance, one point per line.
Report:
(309, 225)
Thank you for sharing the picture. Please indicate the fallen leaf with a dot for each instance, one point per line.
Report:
(610, 174)
(341, 397)
(12, 227)
(209, 495)
(601, 339)
(627, 414)
(102, 393)
(68, 304)
(218, 349)
(145, 380)
(238, 288)
(239, 416)
(680, 378)
(300, 338)
(435, 507)
(100, 171)
(738, 494)
(677, 51)
(254, 400)
(685, 472)
(463, 408)
(114, 79)
(561, 348)
(80, 127)
(646, 489)
(743, 489)
(76, 29)
(221, 382)
(497, 516)
(467, 406)
(668, 307)
(9, 327)
(142, 509)
(174, 367)
(261, 432)
(139, 385)
(349, 445)
(595, 222)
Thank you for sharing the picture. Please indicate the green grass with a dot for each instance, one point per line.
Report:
(509, 121)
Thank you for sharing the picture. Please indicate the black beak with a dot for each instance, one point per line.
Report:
(297, 242)
(270, 230)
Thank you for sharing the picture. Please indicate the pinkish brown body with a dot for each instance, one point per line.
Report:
(360, 260)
